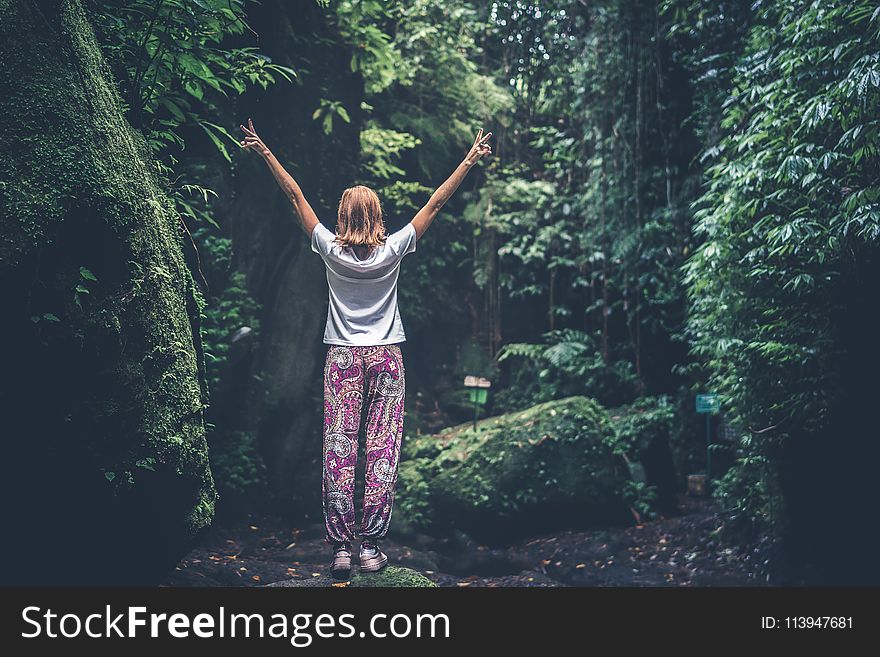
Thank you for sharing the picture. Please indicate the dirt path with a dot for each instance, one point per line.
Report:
(694, 548)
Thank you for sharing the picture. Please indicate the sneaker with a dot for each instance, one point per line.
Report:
(341, 566)
(372, 558)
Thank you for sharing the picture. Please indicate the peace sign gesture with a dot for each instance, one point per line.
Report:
(480, 148)
(252, 141)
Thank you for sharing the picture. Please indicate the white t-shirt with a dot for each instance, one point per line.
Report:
(363, 293)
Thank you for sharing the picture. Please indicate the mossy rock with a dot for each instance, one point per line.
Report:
(103, 392)
(553, 465)
(388, 577)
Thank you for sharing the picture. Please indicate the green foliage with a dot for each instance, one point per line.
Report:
(328, 111)
(361, 23)
(581, 221)
(644, 431)
(381, 150)
(641, 422)
(567, 363)
(229, 308)
(172, 65)
(641, 497)
(536, 237)
(235, 461)
(419, 64)
(439, 93)
(791, 201)
(175, 71)
(238, 468)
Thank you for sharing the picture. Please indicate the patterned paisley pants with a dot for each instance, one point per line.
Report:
(355, 376)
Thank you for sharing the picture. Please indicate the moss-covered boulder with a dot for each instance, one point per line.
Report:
(553, 465)
(105, 468)
(388, 577)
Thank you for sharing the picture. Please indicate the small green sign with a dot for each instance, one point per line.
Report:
(478, 395)
(708, 403)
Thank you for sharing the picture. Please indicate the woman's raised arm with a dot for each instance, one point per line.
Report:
(307, 218)
(426, 215)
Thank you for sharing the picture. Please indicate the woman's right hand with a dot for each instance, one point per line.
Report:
(480, 148)
(252, 140)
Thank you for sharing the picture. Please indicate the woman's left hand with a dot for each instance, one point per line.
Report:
(252, 140)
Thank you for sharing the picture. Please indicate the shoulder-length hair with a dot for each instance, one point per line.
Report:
(360, 218)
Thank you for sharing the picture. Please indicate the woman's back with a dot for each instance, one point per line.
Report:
(363, 288)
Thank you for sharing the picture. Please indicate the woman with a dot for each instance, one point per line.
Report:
(364, 361)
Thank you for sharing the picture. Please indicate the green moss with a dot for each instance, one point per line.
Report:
(391, 576)
(78, 189)
(551, 464)
(388, 577)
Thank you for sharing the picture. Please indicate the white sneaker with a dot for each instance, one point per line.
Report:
(372, 558)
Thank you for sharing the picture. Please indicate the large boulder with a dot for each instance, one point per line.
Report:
(105, 476)
(551, 466)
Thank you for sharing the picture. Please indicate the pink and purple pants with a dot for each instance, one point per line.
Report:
(356, 377)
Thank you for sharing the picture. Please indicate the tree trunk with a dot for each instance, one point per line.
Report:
(105, 471)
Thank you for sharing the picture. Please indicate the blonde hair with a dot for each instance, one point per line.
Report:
(360, 218)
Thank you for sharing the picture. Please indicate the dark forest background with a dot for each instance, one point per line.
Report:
(682, 198)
